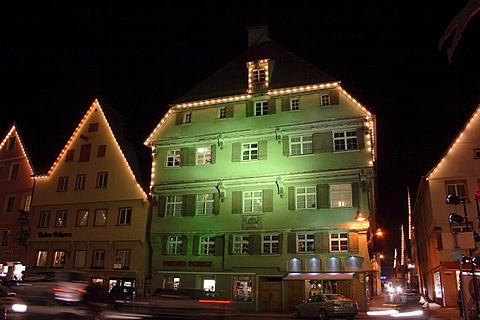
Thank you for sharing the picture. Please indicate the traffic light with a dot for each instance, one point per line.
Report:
(455, 218)
(453, 199)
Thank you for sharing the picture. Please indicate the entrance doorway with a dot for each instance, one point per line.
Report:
(270, 294)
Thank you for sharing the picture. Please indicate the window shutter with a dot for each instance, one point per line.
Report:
(216, 204)
(323, 196)
(291, 198)
(214, 153)
(219, 245)
(322, 142)
(196, 245)
(353, 242)
(255, 244)
(178, 118)
(230, 244)
(190, 206)
(272, 106)
(322, 244)
(286, 146)
(164, 245)
(184, 245)
(236, 152)
(267, 200)
(285, 104)
(162, 202)
(262, 150)
(249, 109)
(237, 202)
(355, 194)
(191, 157)
(334, 98)
(361, 138)
(184, 157)
(292, 242)
(229, 111)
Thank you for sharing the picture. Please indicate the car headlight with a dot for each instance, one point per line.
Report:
(19, 307)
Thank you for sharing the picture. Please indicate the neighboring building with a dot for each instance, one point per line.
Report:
(16, 185)
(433, 243)
(258, 174)
(89, 212)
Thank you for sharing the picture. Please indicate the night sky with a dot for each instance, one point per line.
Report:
(140, 56)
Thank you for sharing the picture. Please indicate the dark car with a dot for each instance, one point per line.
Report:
(121, 295)
(9, 303)
(325, 306)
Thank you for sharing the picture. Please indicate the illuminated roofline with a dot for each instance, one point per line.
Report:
(13, 130)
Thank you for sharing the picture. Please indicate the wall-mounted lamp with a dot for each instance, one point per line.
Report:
(359, 217)
(222, 191)
(438, 237)
(220, 142)
(280, 187)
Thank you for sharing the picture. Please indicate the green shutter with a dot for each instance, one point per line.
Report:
(237, 202)
(291, 198)
(322, 142)
(255, 245)
(262, 150)
(322, 242)
(229, 111)
(219, 245)
(286, 146)
(164, 245)
(267, 200)
(236, 152)
(249, 109)
(216, 203)
(162, 203)
(291, 242)
(361, 137)
(355, 194)
(184, 157)
(213, 153)
(178, 118)
(353, 242)
(334, 98)
(190, 206)
(185, 245)
(323, 196)
(285, 104)
(196, 245)
(272, 106)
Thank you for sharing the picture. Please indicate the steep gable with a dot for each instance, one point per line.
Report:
(11, 139)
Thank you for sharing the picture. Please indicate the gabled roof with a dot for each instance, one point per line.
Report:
(14, 130)
(287, 70)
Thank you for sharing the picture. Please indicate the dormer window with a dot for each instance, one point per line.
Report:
(258, 75)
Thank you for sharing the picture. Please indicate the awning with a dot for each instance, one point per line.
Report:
(319, 276)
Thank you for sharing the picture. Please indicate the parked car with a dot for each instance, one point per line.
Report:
(325, 306)
(10, 302)
(120, 295)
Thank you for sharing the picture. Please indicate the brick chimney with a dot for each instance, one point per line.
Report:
(257, 33)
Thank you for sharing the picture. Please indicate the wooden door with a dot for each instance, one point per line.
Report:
(270, 296)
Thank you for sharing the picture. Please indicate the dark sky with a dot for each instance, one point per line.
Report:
(139, 56)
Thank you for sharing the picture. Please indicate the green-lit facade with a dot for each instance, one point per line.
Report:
(257, 176)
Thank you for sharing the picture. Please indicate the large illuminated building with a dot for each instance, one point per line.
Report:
(258, 175)
(16, 185)
(89, 212)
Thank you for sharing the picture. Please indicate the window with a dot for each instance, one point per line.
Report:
(62, 184)
(100, 217)
(80, 182)
(341, 195)
(1, 172)
(11, 143)
(346, 140)
(9, 204)
(258, 76)
(125, 216)
(85, 152)
(476, 153)
(305, 242)
(306, 197)
(124, 257)
(301, 145)
(252, 201)
(204, 155)
(261, 108)
(456, 188)
(242, 289)
(41, 258)
(58, 259)
(44, 219)
(204, 204)
(80, 259)
(339, 242)
(222, 112)
(61, 219)
(174, 206)
(173, 158)
(207, 246)
(187, 117)
(70, 155)
(175, 245)
(102, 179)
(102, 150)
(82, 218)
(240, 244)
(93, 127)
(271, 243)
(27, 201)
(98, 259)
(294, 104)
(5, 235)
(14, 171)
(325, 99)
(249, 151)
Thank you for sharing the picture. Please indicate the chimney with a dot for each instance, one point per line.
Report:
(256, 33)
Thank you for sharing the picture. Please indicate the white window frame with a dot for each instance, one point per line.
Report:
(41, 258)
(58, 258)
(345, 140)
(61, 218)
(222, 112)
(80, 259)
(44, 220)
(125, 216)
(187, 117)
(82, 218)
(124, 254)
(306, 197)
(271, 243)
(9, 203)
(206, 246)
(204, 156)
(250, 151)
(341, 195)
(27, 201)
(80, 182)
(175, 245)
(339, 242)
(173, 206)
(301, 145)
(62, 184)
(458, 188)
(306, 242)
(259, 75)
(260, 108)
(240, 244)
(102, 179)
(252, 201)
(294, 103)
(98, 259)
(100, 218)
(325, 99)
(173, 158)
(204, 204)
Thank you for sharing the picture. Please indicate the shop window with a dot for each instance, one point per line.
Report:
(80, 258)
(242, 289)
(41, 258)
(58, 259)
(208, 284)
(322, 286)
(171, 282)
